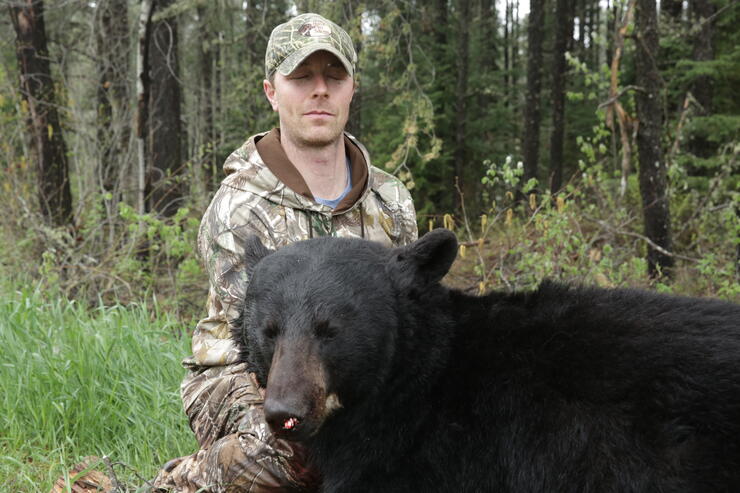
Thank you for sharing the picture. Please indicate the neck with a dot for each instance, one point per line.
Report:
(323, 167)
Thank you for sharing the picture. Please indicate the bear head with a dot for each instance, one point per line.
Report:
(321, 321)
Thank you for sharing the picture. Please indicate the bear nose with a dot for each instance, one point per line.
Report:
(282, 419)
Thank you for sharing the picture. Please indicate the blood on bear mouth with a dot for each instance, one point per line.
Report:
(291, 423)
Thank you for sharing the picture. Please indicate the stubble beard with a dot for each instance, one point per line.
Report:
(317, 137)
(325, 138)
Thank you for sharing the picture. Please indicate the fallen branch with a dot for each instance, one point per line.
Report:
(112, 475)
(644, 238)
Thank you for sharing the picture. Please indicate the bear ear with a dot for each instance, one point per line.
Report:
(254, 250)
(427, 260)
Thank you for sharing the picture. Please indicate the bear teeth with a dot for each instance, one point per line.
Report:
(290, 423)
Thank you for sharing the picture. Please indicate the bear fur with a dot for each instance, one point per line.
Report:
(395, 383)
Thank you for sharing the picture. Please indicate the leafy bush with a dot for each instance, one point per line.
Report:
(121, 258)
(591, 234)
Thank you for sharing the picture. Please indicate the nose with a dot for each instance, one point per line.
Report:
(321, 88)
(283, 419)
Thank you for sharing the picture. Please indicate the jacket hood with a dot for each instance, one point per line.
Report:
(260, 166)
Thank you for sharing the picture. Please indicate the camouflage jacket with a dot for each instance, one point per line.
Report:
(254, 199)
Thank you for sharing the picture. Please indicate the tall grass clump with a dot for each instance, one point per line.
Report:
(78, 381)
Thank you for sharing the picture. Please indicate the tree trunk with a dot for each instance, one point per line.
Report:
(514, 46)
(219, 111)
(251, 33)
(111, 33)
(253, 20)
(703, 50)
(614, 108)
(460, 101)
(207, 130)
(506, 49)
(611, 26)
(164, 147)
(143, 84)
(489, 27)
(488, 56)
(354, 125)
(581, 5)
(531, 136)
(597, 29)
(653, 180)
(563, 33)
(587, 29)
(37, 88)
(702, 86)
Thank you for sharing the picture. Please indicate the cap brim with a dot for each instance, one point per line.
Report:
(295, 58)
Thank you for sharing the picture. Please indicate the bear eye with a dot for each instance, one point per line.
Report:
(271, 331)
(324, 330)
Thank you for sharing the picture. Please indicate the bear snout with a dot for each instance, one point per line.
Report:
(283, 420)
(296, 398)
(295, 415)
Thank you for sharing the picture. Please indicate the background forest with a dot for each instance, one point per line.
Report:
(590, 141)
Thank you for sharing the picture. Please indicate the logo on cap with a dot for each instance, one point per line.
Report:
(315, 30)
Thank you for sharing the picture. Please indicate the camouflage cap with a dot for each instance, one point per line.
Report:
(290, 43)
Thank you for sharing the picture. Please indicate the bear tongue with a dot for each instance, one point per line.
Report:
(290, 423)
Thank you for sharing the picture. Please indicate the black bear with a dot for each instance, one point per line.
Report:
(396, 383)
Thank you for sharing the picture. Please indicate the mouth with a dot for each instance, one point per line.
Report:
(318, 114)
(293, 429)
(291, 423)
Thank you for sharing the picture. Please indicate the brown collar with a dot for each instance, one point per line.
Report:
(273, 155)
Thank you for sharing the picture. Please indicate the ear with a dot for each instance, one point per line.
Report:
(254, 250)
(425, 261)
(270, 93)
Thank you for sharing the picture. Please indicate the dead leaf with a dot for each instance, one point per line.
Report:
(91, 481)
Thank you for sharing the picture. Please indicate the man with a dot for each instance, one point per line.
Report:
(307, 178)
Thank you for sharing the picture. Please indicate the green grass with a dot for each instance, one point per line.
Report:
(76, 381)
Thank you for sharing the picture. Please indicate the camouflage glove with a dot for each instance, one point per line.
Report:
(247, 458)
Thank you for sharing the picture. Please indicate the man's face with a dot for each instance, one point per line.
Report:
(312, 101)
